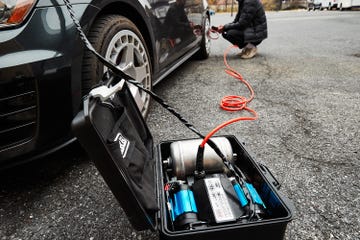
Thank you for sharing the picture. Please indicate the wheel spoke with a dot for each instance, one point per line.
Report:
(141, 72)
(135, 92)
(128, 56)
(114, 54)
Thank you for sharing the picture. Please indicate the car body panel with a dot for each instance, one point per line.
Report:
(42, 59)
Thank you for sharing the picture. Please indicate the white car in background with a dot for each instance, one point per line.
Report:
(348, 4)
(326, 4)
(322, 4)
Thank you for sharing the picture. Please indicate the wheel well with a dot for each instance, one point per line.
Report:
(131, 13)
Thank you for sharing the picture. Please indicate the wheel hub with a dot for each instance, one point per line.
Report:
(128, 53)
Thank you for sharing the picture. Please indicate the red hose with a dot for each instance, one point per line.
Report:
(233, 102)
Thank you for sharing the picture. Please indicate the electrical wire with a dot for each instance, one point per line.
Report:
(233, 102)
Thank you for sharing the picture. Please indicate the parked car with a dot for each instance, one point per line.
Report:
(348, 4)
(329, 4)
(313, 4)
(333, 4)
(45, 69)
(322, 4)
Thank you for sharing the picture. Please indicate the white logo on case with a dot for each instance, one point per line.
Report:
(124, 144)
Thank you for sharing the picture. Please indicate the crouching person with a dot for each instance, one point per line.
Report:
(248, 29)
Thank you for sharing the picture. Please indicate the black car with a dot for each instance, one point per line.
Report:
(45, 70)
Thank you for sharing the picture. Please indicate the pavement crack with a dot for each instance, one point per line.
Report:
(320, 161)
(267, 70)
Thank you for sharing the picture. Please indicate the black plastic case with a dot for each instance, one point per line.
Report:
(137, 183)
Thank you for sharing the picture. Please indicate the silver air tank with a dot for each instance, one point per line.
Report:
(182, 160)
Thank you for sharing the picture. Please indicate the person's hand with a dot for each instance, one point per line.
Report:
(220, 29)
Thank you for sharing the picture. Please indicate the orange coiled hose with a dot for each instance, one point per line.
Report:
(233, 102)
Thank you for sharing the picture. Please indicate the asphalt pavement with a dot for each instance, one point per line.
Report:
(307, 96)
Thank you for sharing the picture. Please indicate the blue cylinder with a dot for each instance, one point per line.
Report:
(183, 206)
(254, 195)
(241, 195)
(183, 202)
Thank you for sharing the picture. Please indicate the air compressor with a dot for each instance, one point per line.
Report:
(223, 195)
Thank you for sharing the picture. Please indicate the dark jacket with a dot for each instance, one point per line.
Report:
(250, 19)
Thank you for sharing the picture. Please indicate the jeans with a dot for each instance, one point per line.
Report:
(236, 37)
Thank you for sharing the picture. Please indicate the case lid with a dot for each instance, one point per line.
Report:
(117, 139)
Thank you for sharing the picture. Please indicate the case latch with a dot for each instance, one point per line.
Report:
(105, 92)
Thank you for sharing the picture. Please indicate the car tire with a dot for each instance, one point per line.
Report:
(204, 50)
(119, 40)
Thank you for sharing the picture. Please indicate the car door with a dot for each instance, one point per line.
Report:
(176, 22)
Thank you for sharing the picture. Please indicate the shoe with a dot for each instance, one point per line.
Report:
(242, 52)
(249, 52)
